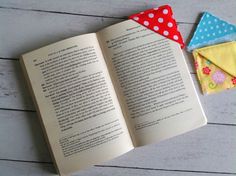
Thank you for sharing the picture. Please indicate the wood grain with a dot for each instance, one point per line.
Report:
(187, 11)
(27, 25)
(23, 169)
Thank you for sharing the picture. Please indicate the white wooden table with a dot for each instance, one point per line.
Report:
(26, 25)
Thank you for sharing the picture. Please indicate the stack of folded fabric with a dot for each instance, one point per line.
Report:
(214, 49)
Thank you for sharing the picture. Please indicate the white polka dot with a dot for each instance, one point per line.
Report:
(156, 28)
(200, 30)
(196, 38)
(205, 29)
(150, 15)
(217, 26)
(165, 11)
(212, 27)
(207, 16)
(141, 12)
(223, 24)
(220, 31)
(146, 23)
(160, 20)
(209, 22)
(155, 8)
(136, 18)
(225, 30)
(215, 20)
(214, 34)
(208, 35)
(175, 37)
(166, 33)
(202, 37)
(203, 23)
(231, 28)
(170, 24)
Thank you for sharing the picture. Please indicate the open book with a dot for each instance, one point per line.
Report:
(99, 95)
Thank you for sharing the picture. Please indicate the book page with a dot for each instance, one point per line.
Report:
(77, 103)
(158, 95)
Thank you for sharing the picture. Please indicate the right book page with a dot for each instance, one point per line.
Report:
(152, 81)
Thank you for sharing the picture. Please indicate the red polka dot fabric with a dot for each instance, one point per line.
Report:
(160, 20)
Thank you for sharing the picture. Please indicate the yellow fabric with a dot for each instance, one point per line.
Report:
(216, 67)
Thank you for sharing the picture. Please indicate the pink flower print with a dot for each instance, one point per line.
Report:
(233, 80)
(218, 77)
(196, 65)
(206, 70)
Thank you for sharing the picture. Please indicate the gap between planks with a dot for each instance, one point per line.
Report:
(173, 170)
(127, 167)
(77, 14)
(17, 59)
(34, 111)
(25, 110)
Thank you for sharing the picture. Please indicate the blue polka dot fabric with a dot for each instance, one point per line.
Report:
(212, 30)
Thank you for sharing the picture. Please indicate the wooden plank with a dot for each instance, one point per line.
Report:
(23, 31)
(210, 148)
(184, 10)
(22, 137)
(9, 168)
(14, 94)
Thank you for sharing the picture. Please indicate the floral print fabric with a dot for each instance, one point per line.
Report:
(216, 67)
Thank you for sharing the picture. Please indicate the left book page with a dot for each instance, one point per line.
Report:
(76, 102)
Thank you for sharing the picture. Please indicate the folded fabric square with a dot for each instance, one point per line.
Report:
(161, 21)
(216, 67)
(211, 30)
